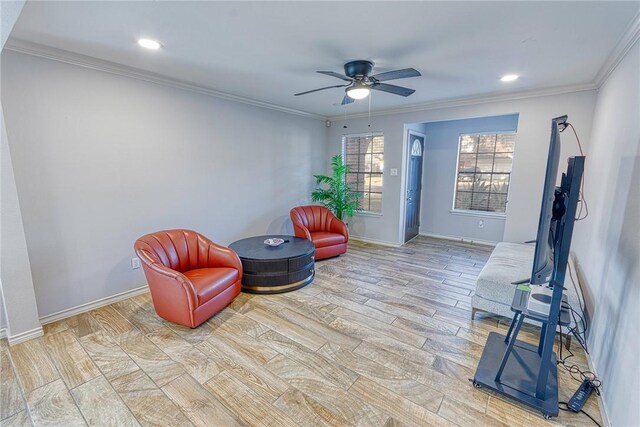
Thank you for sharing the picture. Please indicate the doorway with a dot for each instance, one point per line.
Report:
(415, 150)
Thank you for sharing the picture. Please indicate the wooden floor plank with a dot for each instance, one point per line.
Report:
(396, 406)
(113, 323)
(246, 345)
(291, 330)
(112, 361)
(399, 383)
(11, 399)
(20, 419)
(338, 375)
(150, 358)
(82, 325)
(345, 404)
(146, 321)
(100, 404)
(426, 326)
(32, 364)
(453, 369)
(309, 306)
(466, 416)
(233, 393)
(397, 302)
(362, 325)
(52, 404)
(513, 415)
(321, 329)
(192, 360)
(307, 412)
(245, 368)
(199, 404)
(424, 374)
(73, 363)
(149, 404)
(361, 308)
(228, 321)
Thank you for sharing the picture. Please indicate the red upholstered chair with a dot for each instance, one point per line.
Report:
(190, 277)
(320, 225)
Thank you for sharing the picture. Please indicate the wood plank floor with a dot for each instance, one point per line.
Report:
(381, 337)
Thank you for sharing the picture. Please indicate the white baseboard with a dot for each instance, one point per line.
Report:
(602, 403)
(3, 333)
(82, 308)
(460, 239)
(25, 336)
(375, 242)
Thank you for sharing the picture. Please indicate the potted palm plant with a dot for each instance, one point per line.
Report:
(336, 194)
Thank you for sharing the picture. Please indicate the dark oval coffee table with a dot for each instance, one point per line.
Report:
(272, 270)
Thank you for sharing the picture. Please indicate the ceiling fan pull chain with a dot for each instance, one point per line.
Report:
(369, 125)
(344, 108)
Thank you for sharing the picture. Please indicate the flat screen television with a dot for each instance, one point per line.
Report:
(544, 253)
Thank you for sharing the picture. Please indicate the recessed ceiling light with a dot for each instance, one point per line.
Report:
(509, 78)
(149, 44)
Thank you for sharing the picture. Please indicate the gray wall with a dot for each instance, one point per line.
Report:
(439, 177)
(3, 319)
(9, 13)
(102, 159)
(607, 242)
(18, 298)
(534, 125)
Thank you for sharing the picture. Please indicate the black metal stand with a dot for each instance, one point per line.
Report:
(524, 372)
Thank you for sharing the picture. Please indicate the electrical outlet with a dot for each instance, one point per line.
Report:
(394, 172)
(135, 263)
(481, 223)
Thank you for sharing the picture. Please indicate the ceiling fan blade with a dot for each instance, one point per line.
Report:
(397, 74)
(396, 90)
(316, 90)
(338, 75)
(346, 100)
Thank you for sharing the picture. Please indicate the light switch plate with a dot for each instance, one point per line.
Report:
(394, 172)
(135, 263)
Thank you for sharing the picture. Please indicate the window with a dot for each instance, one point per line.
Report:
(365, 156)
(484, 172)
(416, 148)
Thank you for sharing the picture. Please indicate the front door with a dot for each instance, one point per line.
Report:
(414, 185)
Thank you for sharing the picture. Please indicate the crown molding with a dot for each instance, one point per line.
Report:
(47, 52)
(475, 100)
(625, 43)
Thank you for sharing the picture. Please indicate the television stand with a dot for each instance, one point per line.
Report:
(512, 368)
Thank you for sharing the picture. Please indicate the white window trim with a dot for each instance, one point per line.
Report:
(367, 213)
(475, 213)
(344, 157)
(483, 214)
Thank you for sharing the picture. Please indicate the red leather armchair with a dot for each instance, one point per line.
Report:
(190, 277)
(320, 225)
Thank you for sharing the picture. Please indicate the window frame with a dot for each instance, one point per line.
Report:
(479, 213)
(363, 212)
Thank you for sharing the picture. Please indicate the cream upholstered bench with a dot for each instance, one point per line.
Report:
(509, 262)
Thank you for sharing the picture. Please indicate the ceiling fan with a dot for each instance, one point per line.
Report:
(357, 73)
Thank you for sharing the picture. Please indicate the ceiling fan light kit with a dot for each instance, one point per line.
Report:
(358, 91)
(357, 73)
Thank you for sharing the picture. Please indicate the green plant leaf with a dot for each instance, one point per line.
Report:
(335, 193)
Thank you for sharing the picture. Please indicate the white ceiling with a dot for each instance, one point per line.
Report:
(270, 50)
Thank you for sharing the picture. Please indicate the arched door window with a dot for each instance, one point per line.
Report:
(416, 148)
